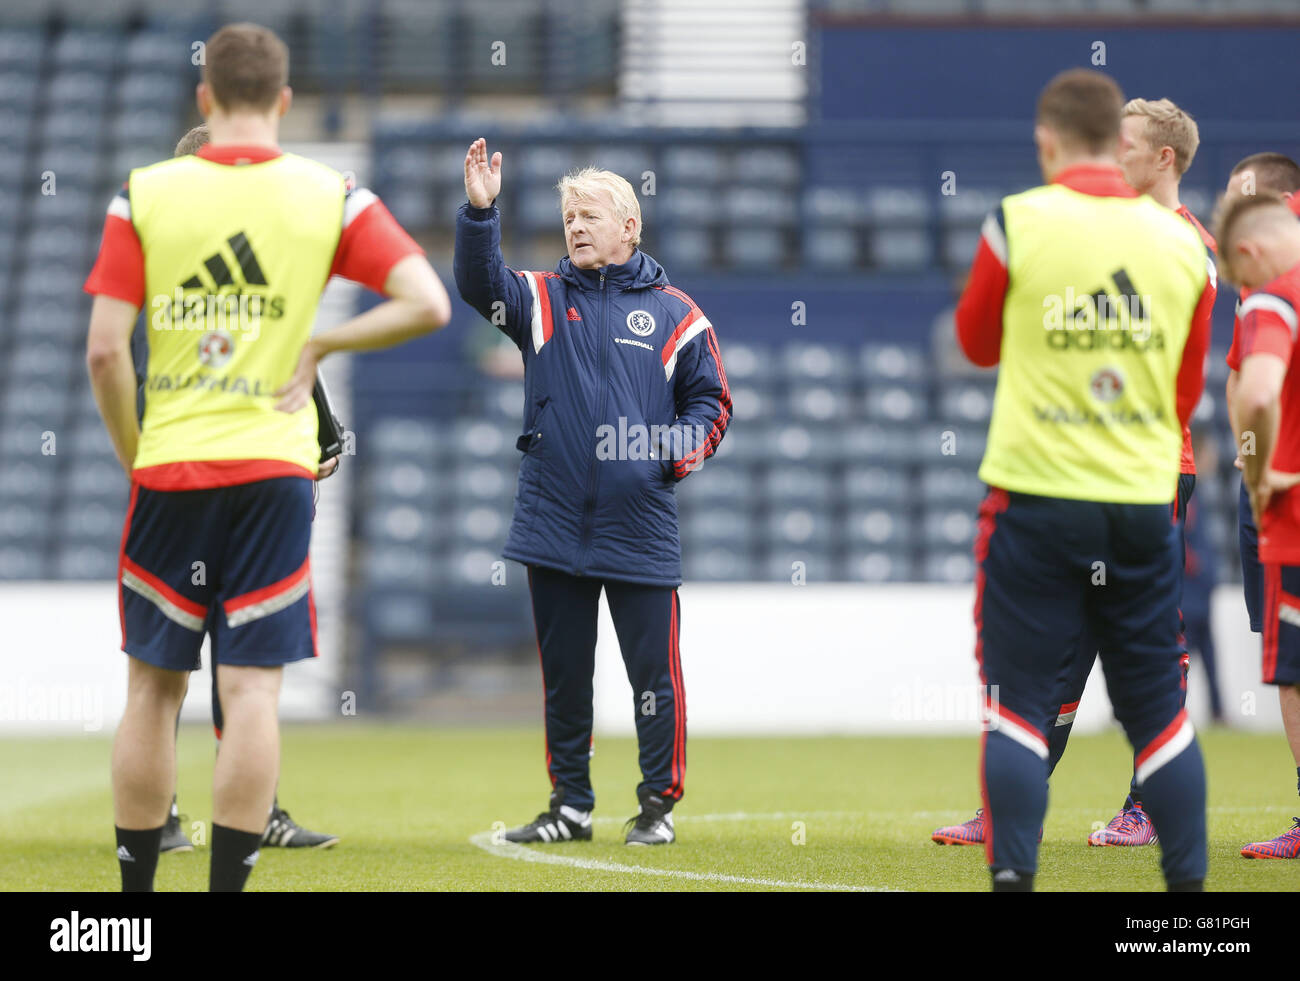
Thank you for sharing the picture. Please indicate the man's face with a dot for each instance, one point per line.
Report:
(1137, 158)
(594, 236)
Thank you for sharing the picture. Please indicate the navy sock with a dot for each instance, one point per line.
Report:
(1174, 798)
(1015, 779)
(234, 853)
(1009, 880)
(137, 856)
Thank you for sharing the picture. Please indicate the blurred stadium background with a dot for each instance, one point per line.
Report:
(791, 156)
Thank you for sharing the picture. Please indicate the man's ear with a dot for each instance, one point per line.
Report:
(285, 101)
(203, 99)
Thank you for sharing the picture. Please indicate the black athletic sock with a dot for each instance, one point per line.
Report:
(1192, 885)
(1297, 779)
(234, 853)
(1009, 880)
(137, 856)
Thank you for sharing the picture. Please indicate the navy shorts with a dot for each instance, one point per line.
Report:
(1252, 573)
(229, 561)
(1281, 624)
(1052, 572)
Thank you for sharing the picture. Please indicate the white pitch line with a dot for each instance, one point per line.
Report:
(745, 816)
(508, 849)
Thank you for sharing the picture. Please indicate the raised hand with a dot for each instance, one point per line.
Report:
(482, 179)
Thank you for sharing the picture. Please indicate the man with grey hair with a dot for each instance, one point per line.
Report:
(625, 394)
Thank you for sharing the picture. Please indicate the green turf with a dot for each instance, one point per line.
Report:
(407, 799)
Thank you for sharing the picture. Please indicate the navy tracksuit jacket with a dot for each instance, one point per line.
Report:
(625, 394)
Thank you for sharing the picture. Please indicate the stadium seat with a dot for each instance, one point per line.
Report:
(482, 525)
(754, 248)
(901, 249)
(710, 564)
(486, 440)
(403, 479)
(688, 205)
(786, 487)
(484, 483)
(871, 486)
(818, 404)
(22, 563)
(949, 566)
(831, 248)
(753, 403)
(156, 91)
(802, 363)
(401, 524)
(966, 402)
(716, 528)
(757, 207)
(891, 362)
(17, 90)
(402, 567)
(831, 207)
(688, 165)
(800, 528)
(689, 247)
(719, 485)
(877, 527)
(398, 438)
(22, 51)
(951, 486)
(89, 562)
(950, 528)
(959, 247)
(873, 443)
(771, 166)
(888, 403)
(876, 565)
(71, 90)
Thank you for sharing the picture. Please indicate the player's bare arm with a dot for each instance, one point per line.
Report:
(418, 304)
(482, 178)
(1230, 393)
(112, 375)
(1257, 412)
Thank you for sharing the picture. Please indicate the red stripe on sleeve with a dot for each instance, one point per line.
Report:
(543, 301)
(692, 315)
(979, 312)
(119, 268)
(1191, 374)
(370, 246)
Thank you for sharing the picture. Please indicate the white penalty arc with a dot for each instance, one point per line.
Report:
(524, 853)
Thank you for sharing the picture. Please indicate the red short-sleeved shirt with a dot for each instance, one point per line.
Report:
(1268, 320)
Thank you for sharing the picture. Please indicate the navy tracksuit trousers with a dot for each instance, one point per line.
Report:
(647, 620)
(1051, 570)
(1076, 678)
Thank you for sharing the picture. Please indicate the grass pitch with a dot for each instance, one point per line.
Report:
(769, 813)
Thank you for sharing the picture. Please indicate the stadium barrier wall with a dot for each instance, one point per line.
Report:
(757, 659)
(846, 658)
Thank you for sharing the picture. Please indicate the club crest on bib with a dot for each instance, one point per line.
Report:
(215, 348)
(1107, 384)
(641, 323)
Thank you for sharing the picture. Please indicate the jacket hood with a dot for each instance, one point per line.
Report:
(638, 273)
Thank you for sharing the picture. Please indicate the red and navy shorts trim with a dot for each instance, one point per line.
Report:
(229, 562)
(1281, 663)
